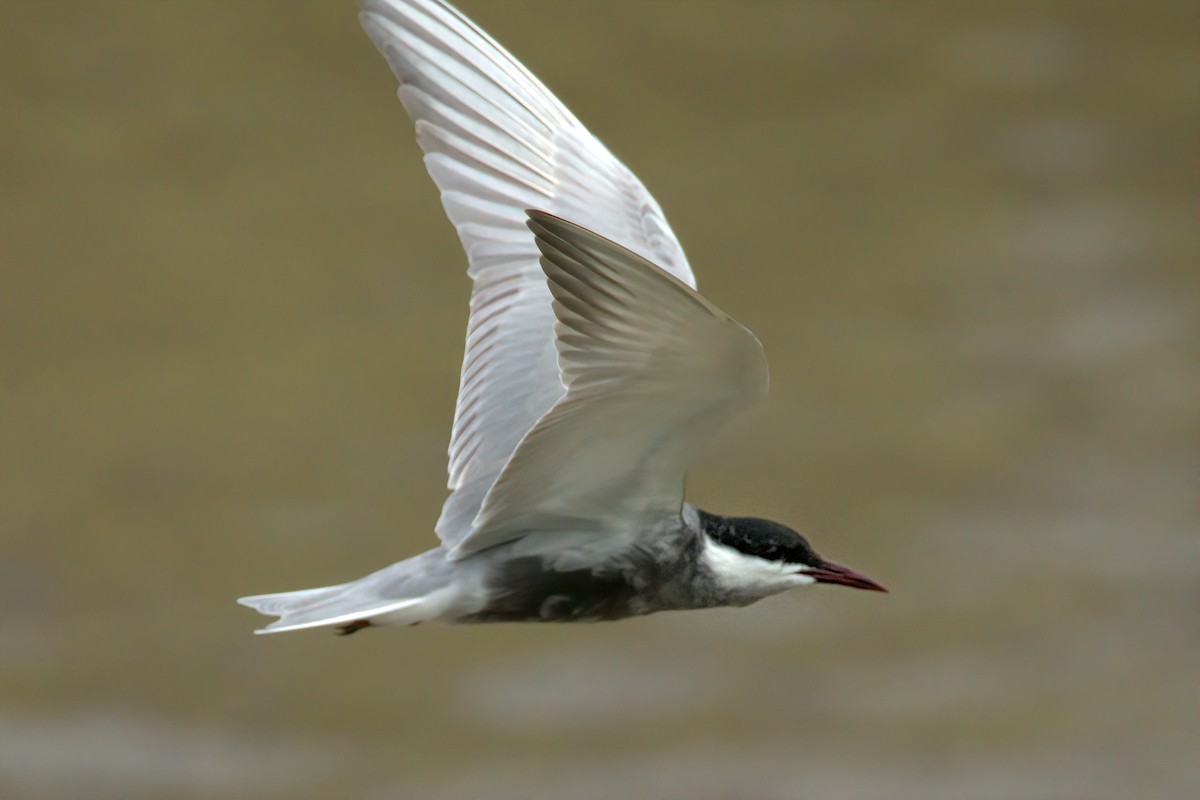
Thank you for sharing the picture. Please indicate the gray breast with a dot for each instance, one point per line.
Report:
(523, 590)
(656, 575)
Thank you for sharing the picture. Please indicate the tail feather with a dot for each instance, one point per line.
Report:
(415, 590)
(317, 608)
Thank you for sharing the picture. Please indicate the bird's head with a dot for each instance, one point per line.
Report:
(754, 558)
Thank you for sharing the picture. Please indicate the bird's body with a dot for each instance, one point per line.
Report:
(594, 373)
(676, 563)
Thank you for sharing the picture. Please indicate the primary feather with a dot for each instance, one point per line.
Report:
(496, 142)
(652, 371)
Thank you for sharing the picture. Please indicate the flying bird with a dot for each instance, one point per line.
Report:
(594, 372)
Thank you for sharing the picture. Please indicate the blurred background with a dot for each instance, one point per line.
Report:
(230, 331)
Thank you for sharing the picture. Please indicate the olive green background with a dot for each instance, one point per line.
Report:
(231, 319)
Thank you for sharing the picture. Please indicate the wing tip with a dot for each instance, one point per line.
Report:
(550, 233)
(538, 220)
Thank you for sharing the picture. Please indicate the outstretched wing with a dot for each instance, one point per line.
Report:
(496, 142)
(652, 370)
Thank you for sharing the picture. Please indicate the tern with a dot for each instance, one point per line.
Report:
(593, 374)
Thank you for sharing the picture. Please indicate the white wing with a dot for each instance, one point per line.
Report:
(652, 370)
(497, 142)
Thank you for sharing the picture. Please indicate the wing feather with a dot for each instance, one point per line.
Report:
(652, 371)
(496, 142)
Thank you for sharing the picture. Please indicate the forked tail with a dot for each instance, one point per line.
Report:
(331, 606)
(402, 594)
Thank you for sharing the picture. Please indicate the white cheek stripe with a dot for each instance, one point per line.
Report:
(736, 569)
